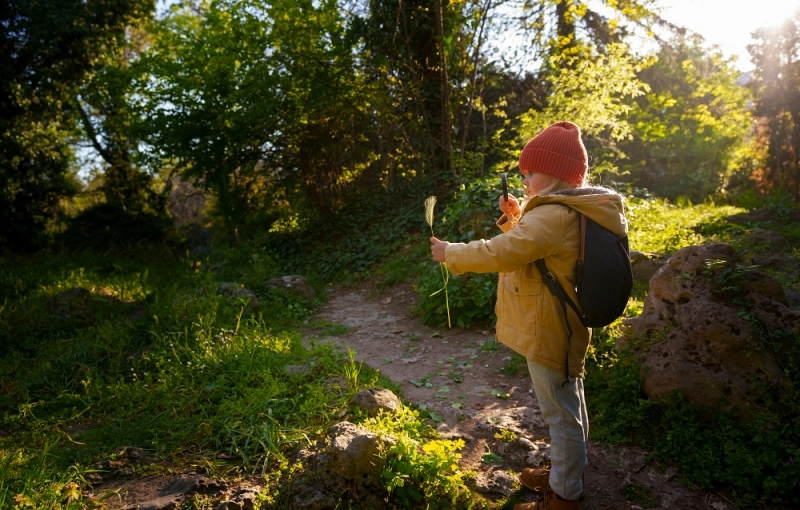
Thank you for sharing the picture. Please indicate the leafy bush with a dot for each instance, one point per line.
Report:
(110, 225)
(420, 470)
(346, 245)
(470, 215)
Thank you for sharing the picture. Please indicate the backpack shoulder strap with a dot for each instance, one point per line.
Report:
(556, 289)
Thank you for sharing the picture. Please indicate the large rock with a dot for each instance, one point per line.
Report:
(373, 400)
(236, 291)
(347, 461)
(704, 339)
(295, 284)
(77, 303)
(645, 265)
(352, 454)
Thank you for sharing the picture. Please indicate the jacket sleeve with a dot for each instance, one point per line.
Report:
(539, 233)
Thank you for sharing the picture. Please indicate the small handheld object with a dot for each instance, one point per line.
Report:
(504, 182)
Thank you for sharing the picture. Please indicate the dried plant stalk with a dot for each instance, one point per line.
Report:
(430, 203)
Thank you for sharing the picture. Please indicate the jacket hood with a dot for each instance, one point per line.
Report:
(604, 206)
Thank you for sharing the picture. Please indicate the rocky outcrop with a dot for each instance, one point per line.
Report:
(294, 284)
(375, 399)
(702, 330)
(346, 463)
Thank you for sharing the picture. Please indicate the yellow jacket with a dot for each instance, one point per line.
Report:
(530, 319)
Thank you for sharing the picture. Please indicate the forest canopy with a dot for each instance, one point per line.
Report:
(280, 112)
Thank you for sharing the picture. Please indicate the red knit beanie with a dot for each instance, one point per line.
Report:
(557, 151)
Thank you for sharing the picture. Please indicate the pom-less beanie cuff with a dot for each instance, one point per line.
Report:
(557, 151)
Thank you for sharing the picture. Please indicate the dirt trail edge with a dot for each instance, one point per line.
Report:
(464, 376)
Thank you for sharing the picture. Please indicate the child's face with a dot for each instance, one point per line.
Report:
(534, 182)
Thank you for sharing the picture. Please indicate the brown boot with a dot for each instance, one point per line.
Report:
(535, 479)
(550, 501)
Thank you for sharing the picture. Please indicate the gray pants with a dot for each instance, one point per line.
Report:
(564, 411)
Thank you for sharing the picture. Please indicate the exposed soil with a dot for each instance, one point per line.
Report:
(465, 366)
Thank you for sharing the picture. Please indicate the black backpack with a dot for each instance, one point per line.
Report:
(603, 277)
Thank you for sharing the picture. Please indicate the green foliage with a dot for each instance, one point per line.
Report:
(347, 244)
(469, 216)
(419, 470)
(639, 495)
(165, 364)
(48, 50)
(515, 366)
(689, 130)
(109, 225)
(591, 87)
(656, 225)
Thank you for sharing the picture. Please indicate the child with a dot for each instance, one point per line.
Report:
(530, 319)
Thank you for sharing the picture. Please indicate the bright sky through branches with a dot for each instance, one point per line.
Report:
(728, 23)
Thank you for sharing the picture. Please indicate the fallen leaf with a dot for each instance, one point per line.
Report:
(492, 458)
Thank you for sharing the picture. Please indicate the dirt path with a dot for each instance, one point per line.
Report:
(465, 378)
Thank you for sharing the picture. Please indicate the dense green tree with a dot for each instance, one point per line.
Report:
(776, 84)
(690, 130)
(260, 104)
(47, 48)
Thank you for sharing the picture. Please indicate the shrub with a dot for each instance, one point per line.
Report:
(470, 215)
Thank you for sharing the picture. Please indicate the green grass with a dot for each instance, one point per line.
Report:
(202, 383)
(168, 365)
(658, 226)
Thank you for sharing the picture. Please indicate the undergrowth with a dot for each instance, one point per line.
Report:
(155, 358)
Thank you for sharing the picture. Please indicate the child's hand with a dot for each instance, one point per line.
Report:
(510, 206)
(438, 248)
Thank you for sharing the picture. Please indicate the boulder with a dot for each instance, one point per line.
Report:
(75, 303)
(236, 291)
(346, 461)
(295, 284)
(374, 399)
(693, 336)
(761, 239)
(645, 265)
(352, 454)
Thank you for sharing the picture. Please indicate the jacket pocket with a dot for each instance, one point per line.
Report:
(523, 286)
